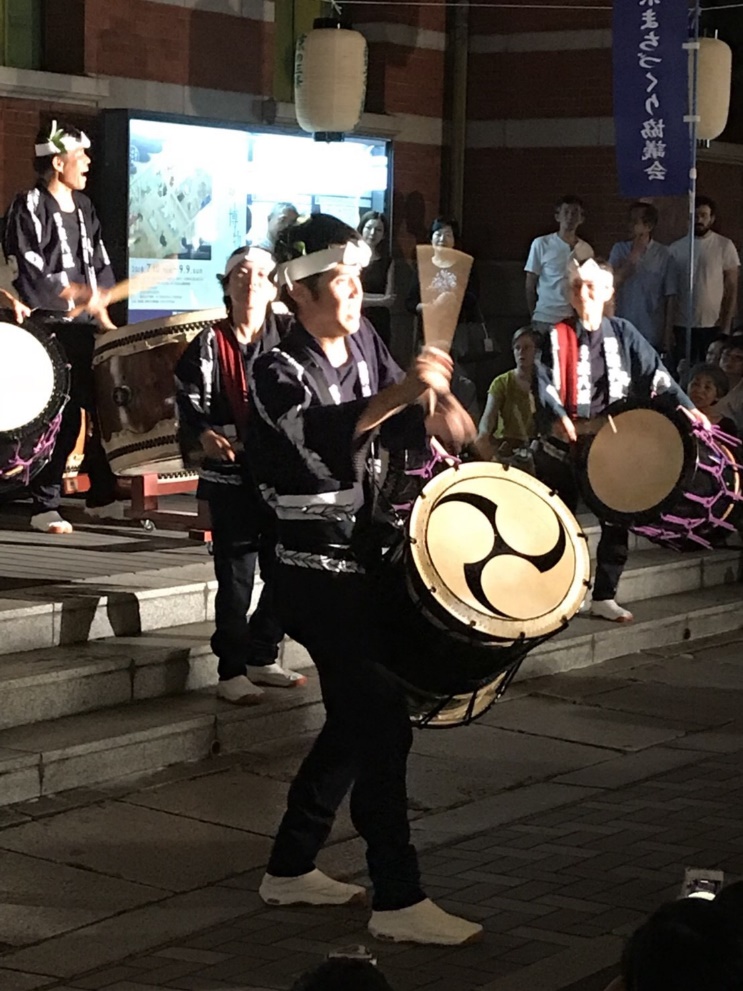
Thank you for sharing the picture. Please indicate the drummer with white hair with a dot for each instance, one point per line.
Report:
(212, 399)
(589, 362)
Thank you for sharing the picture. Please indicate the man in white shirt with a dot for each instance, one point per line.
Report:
(547, 288)
(715, 297)
(642, 278)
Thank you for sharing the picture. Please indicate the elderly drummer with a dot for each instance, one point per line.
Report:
(589, 362)
(53, 240)
(315, 401)
(212, 401)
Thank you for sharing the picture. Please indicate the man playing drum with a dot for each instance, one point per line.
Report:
(53, 238)
(212, 398)
(316, 400)
(588, 363)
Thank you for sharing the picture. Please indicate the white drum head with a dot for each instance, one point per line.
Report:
(498, 551)
(634, 465)
(26, 377)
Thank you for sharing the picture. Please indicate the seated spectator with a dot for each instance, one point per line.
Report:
(707, 385)
(343, 974)
(509, 413)
(688, 945)
(731, 362)
(377, 279)
(714, 351)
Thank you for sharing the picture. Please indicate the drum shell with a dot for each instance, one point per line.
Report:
(425, 650)
(435, 666)
(134, 371)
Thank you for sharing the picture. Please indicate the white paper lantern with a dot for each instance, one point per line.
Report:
(713, 87)
(330, 78)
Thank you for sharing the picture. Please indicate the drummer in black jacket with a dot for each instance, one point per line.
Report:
(588, 363)
(212, 397)
(53, 240)
(316, 401)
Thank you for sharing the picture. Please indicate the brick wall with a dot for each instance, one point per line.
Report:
(515, 21)
(519, 85)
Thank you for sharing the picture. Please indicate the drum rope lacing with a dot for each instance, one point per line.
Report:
(18, 469)
(425, 473)
(714, 437)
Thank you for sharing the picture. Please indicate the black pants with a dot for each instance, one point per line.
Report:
(77, 341)
(701, 338)
(363, 745)
(612, 551)
(243, 535)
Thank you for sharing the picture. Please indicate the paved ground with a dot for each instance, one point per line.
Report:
(560, 819)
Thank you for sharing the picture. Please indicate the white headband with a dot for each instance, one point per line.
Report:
(250, 254)
(60, 143)
(589, 271)
(351, 253)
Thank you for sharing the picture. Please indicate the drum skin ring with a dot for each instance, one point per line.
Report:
(648, 516)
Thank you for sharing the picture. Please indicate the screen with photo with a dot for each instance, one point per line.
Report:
(198, 191)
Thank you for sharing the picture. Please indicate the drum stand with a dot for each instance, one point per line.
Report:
(145, 507)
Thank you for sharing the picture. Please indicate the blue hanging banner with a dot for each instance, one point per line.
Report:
(651, 96)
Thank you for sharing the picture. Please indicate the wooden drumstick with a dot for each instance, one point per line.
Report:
(612, 424)
(443, 274)
(153, 276)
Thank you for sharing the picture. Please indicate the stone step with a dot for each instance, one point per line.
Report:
(657, 572)
(657, 622)
(132, 733)
(53, 682)
(94, 608)
(39, 685)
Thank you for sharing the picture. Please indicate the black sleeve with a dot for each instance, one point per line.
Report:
(648, 371)
(323, 436)
(547, 399)
(190, 391)
(101, 262)
(388, 372)
(24, 241)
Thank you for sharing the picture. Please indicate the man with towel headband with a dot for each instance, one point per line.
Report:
(212, 395)
(316, 400)
(589, 362)
(53, 239)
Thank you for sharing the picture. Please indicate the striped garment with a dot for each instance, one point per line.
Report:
(302, 444)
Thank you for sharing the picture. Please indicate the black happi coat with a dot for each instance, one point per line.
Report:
(36, 239)
(302, 443)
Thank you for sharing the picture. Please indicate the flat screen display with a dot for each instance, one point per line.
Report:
(197, 192)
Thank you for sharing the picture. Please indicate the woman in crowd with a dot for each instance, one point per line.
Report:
(445, 234)
(378, 278)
